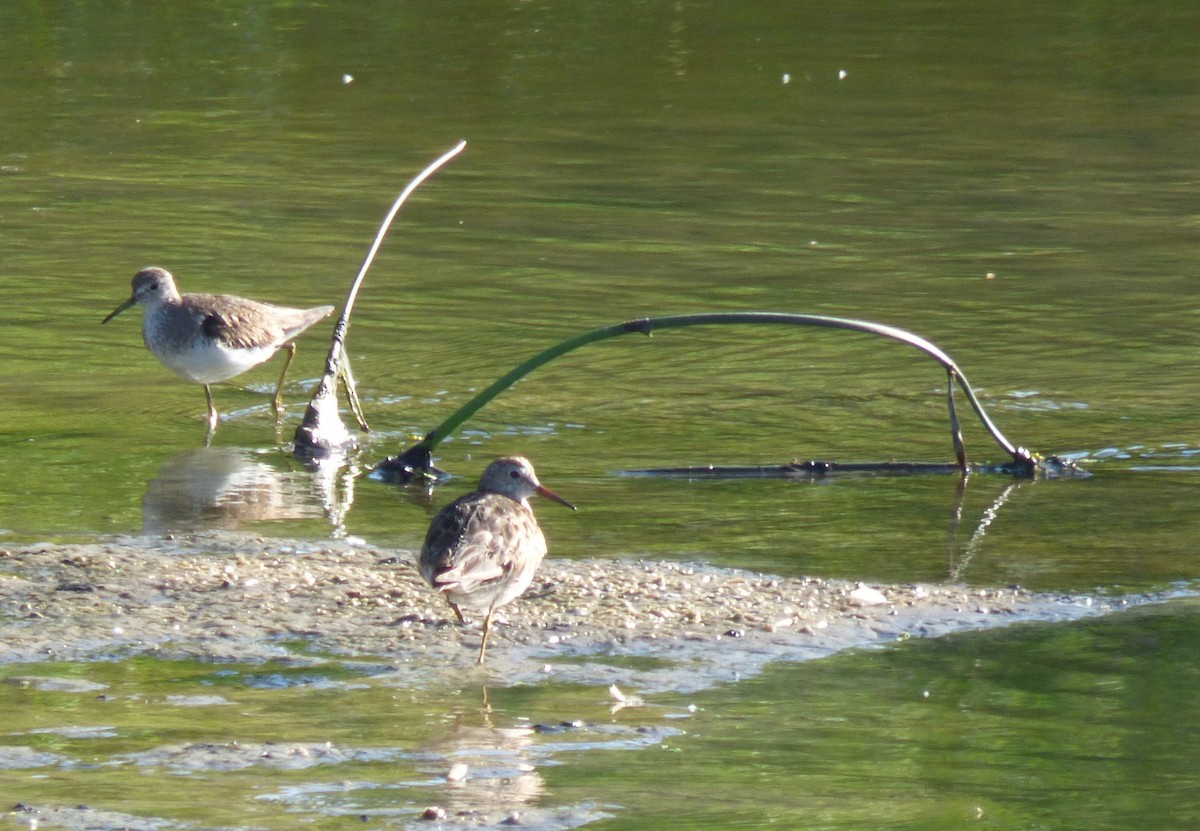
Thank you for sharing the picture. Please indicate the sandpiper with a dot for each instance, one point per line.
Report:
(206, 338)
(483, 548)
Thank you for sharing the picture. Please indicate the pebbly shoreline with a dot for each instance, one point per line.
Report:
(224, 596)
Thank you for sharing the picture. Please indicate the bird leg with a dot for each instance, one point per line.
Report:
(212, 411)
(487, 627)
(277, 401)
(458, 614)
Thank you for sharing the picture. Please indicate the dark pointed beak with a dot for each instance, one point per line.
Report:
(130, 302)
(553, 497)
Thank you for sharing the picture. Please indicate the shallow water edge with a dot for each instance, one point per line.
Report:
(224, 596)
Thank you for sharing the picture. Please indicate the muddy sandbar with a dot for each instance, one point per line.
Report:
(239, 597)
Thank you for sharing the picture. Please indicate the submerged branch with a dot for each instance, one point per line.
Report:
(417, 458)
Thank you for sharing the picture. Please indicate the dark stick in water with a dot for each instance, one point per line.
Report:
(322, 432)
(417, 460)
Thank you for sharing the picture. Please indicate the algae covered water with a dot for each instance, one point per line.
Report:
(1013, 182)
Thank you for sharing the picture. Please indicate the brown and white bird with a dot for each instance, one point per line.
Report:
(206, 338)
(482, 549)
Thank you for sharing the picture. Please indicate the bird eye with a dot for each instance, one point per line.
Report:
(516, 474)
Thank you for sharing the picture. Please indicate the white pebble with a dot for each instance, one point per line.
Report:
(867, 596)
(782, 623)
(621, 701)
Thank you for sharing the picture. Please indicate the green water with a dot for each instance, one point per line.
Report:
(1035, 727)
(631, 159)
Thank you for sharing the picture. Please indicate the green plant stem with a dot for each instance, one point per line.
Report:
(648, 325)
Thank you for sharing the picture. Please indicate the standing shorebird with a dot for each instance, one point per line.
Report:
(483, 548)
(206, 338)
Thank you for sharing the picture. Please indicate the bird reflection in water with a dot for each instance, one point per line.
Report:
(489, 771)
(224, 488)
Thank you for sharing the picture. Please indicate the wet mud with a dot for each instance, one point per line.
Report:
(237, 597)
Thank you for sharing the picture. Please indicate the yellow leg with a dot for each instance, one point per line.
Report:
(212, 410)
(487, 627)
(277, 401)
(212, 417)
(457, 613)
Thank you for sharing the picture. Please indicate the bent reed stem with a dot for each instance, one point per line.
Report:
(647, 326)
(322, 433)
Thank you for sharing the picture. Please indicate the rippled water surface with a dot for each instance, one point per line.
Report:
(1012, 181)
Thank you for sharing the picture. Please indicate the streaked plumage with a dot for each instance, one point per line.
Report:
(206, 338)
(483, 548)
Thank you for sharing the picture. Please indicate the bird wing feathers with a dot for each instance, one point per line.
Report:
(241, 324)
(479, 539)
